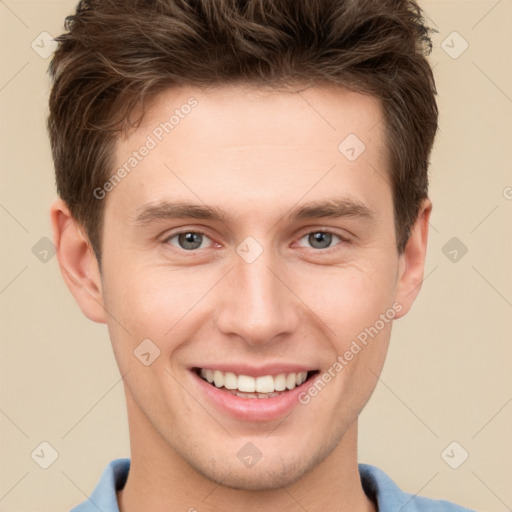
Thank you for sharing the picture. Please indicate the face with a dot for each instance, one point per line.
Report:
(252, 243)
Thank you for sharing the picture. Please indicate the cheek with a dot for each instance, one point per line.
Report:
(152, 303)
(349, 299)
(143, 298)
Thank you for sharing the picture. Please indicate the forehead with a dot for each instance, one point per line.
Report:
(248, 144)
(236, 109)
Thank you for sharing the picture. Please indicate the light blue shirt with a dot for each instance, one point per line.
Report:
(376, 484)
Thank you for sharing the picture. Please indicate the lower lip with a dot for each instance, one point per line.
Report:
(251, 409)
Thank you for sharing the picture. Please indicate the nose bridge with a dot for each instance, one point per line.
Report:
(258, 306)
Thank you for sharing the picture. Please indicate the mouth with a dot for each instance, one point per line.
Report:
(250, 387)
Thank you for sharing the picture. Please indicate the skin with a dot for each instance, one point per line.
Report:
(258, 154)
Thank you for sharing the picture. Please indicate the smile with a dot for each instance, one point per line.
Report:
(246, 386)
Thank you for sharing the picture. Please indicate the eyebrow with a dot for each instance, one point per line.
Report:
(328, 208)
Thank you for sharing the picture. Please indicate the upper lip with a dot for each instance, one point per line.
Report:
(257, 371)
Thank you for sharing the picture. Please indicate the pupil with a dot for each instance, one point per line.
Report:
(320, 240)
(190, 240)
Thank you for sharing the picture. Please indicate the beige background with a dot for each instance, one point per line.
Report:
(447, 377)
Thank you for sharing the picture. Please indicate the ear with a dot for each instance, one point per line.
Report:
(77, 262)
(411, 264)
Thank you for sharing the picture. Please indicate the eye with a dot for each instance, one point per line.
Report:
(322, 239)
(188, 240)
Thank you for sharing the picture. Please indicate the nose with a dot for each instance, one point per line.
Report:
(257, 303)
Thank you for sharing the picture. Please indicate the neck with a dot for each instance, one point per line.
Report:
(159, 479)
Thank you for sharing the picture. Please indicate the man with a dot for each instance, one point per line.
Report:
(243, 201)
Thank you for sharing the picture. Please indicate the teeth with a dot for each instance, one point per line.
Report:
(254, 395)
(230, 380)
(265, 384)
(280, 382)
(253, 387)
(291, 380)
(246, 383)
(246, 395)
(218, 378)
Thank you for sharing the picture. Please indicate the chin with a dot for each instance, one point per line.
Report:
(268, 473)
(264, 476)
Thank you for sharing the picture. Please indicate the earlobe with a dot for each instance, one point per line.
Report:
(412, 261)
(77, 261)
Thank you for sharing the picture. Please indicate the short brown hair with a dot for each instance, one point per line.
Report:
(117, 54)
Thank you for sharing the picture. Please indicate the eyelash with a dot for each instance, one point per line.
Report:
(325, 231)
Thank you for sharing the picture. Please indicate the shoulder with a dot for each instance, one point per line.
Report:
(103, 497)
(389, 496)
